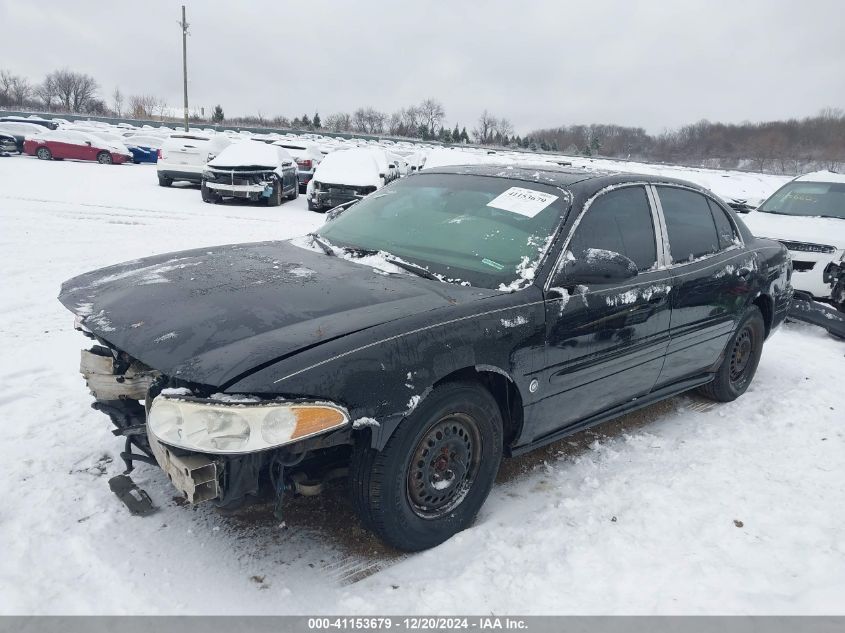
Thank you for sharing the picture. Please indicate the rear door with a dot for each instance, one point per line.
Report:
(605, 344)
(710, 271)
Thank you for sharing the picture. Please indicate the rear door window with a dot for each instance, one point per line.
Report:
(619, 221)
(689, 223)
(724, 226)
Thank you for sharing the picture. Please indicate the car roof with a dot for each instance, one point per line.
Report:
(557, 175)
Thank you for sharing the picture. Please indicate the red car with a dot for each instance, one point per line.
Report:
(76, 145)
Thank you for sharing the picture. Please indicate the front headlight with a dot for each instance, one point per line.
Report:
(210, 427)
(209, 175)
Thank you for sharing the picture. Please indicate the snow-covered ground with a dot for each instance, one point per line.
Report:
(684, 507)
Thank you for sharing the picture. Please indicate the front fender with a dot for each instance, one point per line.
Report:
(383, 373)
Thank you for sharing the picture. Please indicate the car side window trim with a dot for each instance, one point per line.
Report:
(657, 235)
(665, 234)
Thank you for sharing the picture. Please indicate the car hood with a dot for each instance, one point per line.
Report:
(813, 230)
(211, 315)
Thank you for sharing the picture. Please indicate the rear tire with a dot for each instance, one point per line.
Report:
(44, 153)
(314, 207)
(164, 181)
(741, 357)
(434, 473)
(104, 158)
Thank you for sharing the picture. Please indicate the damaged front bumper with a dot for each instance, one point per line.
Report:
(210, 449)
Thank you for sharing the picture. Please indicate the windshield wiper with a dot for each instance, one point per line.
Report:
(323, 244)
(413, 268)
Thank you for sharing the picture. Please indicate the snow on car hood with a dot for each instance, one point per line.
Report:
(250, 154)
(813, 230)
(211, 314)
(355, 167)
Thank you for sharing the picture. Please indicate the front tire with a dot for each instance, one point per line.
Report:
(44, 153)
(208, 195)
(275, 198)
(741, 357)
(435, 472)
(104, 158)
(164, 181)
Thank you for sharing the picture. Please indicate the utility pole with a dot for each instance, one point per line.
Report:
(185, 62)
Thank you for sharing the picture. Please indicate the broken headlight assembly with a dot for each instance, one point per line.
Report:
(232, 428)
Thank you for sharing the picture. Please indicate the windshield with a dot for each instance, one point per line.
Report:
(821, 199)
(487, 231)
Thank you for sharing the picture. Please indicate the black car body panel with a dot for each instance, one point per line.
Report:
(273, 319)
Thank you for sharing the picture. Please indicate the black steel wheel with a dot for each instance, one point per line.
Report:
(740, 359)
(435, 471)
(444, 466)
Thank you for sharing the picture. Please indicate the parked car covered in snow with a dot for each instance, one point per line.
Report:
(251, 170)
(144, 149)
(8, 143)
(460, 314)
(343, 176)
(21, 131)
(61, 144)
(183, 156)
(307, 156)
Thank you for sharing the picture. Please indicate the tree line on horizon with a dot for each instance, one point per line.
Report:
(787, 147)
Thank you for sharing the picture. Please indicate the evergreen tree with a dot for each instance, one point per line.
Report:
(446, 135)
(595, 146)
(422, 131)
(456, 134)
(464, 135)
(306, 122)
(217, 115)
(317, 123)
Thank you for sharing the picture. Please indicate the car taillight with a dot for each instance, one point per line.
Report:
(158, 154)
(304, 164)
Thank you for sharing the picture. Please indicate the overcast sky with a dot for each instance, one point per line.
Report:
(655, 64)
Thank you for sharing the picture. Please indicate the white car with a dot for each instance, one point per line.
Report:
(183, 156)
(307, 155)
(344, 176)
(807, 215)
(251, 170)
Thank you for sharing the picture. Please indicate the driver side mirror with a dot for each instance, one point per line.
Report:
(88, 143)
(595, 266)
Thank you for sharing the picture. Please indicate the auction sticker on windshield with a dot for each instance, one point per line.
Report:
(527, 202)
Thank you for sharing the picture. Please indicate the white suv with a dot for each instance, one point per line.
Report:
(807, 215)
(183, 156)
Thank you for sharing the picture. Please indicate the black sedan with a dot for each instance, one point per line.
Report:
(451, 318)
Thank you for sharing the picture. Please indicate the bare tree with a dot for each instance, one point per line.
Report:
(486, 129)
(74, 90)
(21, 90)
(338, 122)
(117, 101)
(161, 108)
(142, 106)
(46, 92)
(432, 113)
(368, 120)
